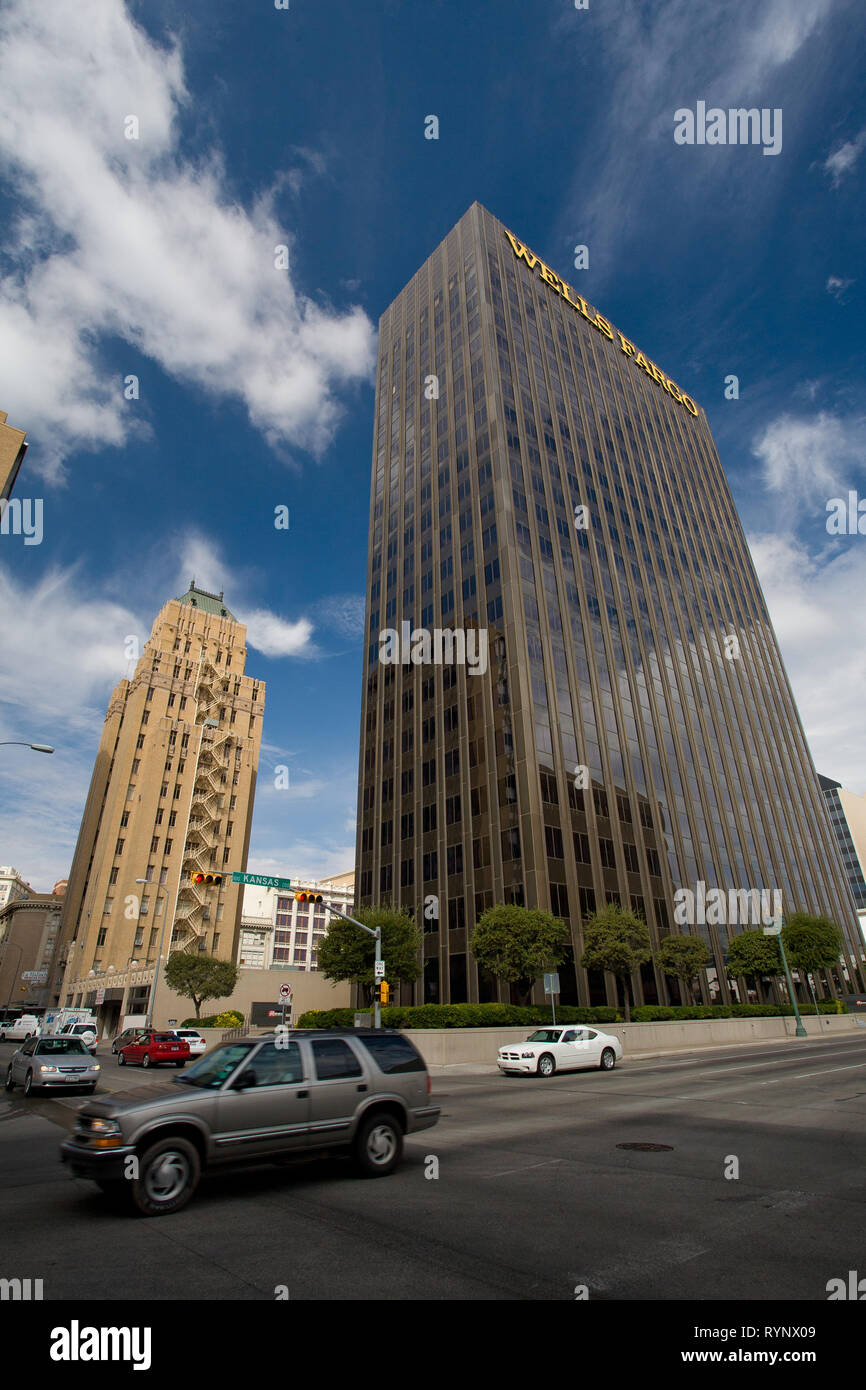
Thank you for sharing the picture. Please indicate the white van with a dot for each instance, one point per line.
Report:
(27, 1026)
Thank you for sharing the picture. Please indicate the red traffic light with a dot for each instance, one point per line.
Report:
(207, 879)
(308, 898)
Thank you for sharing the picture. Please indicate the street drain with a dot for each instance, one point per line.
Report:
(648, 1148)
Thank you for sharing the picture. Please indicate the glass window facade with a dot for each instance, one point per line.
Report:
(539, 485)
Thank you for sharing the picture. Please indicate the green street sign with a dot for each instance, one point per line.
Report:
(262, 880)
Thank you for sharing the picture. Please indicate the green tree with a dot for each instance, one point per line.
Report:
(347, 953)
(812, 944)
(753, 954)
(683, 956)
(518, 944)
(617, 941)
(200, 977)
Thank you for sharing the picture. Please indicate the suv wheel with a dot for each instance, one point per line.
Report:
(169, 1173)
(546, 1065)
(9, 1083)
(608, 1059)
(378, 1145)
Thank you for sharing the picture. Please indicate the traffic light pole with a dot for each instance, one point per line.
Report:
(377, 933)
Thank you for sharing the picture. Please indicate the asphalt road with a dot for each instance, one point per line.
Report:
(534, 1197)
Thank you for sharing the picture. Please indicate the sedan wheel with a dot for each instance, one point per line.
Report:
(378, 1146)
(121, 1060)
(28, 1084)
(145, 1061)
(608, 1059)
(168, 1177)
(546, 1065)
(9, 1083)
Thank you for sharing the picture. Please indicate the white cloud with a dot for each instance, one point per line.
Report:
(270, 634)
(344, 613)
(302, 859)
(661, 57)
(822, 634)
(837, 286)
(809, 459)
(842, 160)
(129, 238)
(274, 636)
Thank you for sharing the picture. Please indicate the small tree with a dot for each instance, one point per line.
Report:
(517, 943)
(617, 941)
(753, 954)
(200, 977)
(812, 944)
(347, 953)
(683, 956)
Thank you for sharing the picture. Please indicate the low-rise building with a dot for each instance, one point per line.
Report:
(12, 885)
(28, 940)
(279, 933)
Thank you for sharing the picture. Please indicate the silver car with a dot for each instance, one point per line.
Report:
(261, 1099)
(57, 1060)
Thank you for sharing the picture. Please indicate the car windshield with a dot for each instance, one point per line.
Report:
(545, 1035)
(165, 1037)
(84, 1028)
(62, 1047)
(215, 1067)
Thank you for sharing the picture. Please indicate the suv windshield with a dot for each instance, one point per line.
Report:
(216, 1067)
(545, 1035)
(62, 1047)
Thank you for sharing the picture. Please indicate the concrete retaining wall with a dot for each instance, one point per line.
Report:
(452, 1046)
(449, 1046)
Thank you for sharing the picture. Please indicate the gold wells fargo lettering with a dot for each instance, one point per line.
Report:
(577, 302)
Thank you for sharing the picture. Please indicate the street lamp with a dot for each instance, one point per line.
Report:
(17, 742)
(775, 929)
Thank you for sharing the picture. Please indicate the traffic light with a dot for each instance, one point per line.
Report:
(308, 898)
(384, 992)
(206, 879)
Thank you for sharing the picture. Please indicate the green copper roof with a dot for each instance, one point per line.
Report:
(209, 603)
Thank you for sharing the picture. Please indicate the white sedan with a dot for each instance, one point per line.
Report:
(197, 1044)
(560, 1048)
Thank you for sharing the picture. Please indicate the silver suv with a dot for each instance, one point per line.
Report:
(271, 1097)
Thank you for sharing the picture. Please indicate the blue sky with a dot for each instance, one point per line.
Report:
(304, 127)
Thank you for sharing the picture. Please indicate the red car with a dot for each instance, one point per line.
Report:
(151, 1048)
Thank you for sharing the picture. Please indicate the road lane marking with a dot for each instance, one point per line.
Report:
(546, 1164)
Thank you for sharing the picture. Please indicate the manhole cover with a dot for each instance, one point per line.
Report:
(648, 1148)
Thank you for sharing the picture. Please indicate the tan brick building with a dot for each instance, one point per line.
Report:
(12, 450)
(171, 795)
(29, 927)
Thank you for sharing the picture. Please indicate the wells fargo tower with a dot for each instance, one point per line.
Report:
(537, 476)
(171, 796)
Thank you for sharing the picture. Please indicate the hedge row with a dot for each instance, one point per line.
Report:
(505, 1015)
(229, 1018)
(458, 1016)
(660, 1013)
